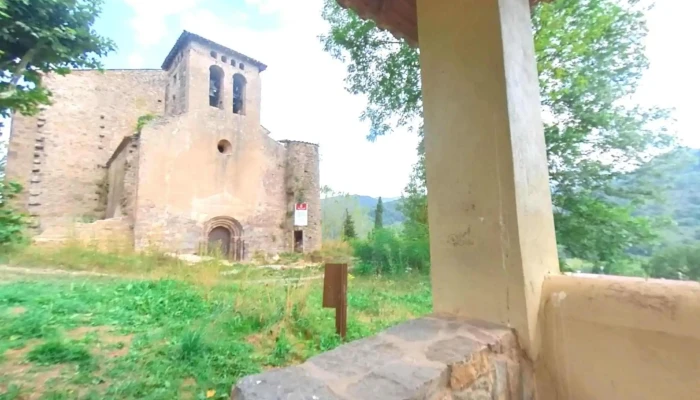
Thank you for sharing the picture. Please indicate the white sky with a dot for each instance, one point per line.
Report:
(673, 79)
(303, 89)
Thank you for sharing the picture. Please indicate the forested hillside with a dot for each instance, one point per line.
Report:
(678, 174)
(361, 208)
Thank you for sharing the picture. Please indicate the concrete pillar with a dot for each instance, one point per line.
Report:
(491, 227)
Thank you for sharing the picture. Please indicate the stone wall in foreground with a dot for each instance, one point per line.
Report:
(436, 358)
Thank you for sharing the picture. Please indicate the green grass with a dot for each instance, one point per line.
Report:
(178, 336)
(59, 352)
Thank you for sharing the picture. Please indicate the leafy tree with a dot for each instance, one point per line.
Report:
(682, 262)
(379, 215)
(42, 36)
(348, 227)
(12, 223)
(590, 57)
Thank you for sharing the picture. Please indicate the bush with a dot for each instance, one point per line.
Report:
(681, 262)
(388, 252)
(12, 223)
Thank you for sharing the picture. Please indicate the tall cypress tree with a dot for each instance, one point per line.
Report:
(379, 215)
(348, 227)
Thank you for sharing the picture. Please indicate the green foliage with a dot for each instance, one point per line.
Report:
(34, 324)
(13, 392)
(143, 120)
(282, 351)
(59, 352)
(677, 175)
(388, 252)
(681, 262)
(334, 209)
(587, 65)
(191, 345)
(590, 56)
(184, 339)
(379, 215)
(616, 232)
(362, 209)
(348, 227)
(42, 36)
(379, 66)
(12, 223)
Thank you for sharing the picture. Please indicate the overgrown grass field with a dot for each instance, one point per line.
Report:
(165, 333)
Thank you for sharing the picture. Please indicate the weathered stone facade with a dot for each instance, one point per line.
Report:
(60, 156)
(432, 358)
(203, 156)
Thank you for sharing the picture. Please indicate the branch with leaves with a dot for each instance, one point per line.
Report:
(45, 36)
(590, 57)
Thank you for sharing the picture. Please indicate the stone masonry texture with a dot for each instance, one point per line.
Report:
(81, 158)
(302, 179)
(60, 155)
(431, 358)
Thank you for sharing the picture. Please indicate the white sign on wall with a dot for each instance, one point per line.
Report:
(301, 214)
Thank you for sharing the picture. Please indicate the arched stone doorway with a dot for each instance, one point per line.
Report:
(224, 235)
(220, 241)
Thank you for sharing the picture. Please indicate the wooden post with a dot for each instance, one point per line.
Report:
(335, 295)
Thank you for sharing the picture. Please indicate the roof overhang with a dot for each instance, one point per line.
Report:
(399, 17)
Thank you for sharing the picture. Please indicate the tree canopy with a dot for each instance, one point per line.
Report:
(590, 58)
(42, 36)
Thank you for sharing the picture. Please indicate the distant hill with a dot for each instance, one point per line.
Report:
(677, 174)
(362, 209)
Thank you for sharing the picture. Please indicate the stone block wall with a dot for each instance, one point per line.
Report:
(161, 229)
(185, 181)
(177, 88)
(60, 155)
(122, 176)
(114, 182)
(23, 154)
(303, 185)
(131, 176)
(113, 234)
(432, 358)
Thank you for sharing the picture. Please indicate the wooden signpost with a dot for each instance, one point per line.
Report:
(335, 295)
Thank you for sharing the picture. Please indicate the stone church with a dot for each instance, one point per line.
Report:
(173, 159)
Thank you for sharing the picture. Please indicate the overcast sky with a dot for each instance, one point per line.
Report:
(303, 89)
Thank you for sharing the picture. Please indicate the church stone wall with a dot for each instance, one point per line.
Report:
(131, 177)
(60, 155)
(303, 186)
(184, 181)
(122, 180)
(80, 159)
(177, 88)
(116, 172)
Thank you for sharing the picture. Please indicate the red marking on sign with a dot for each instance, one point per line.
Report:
(301, 207)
